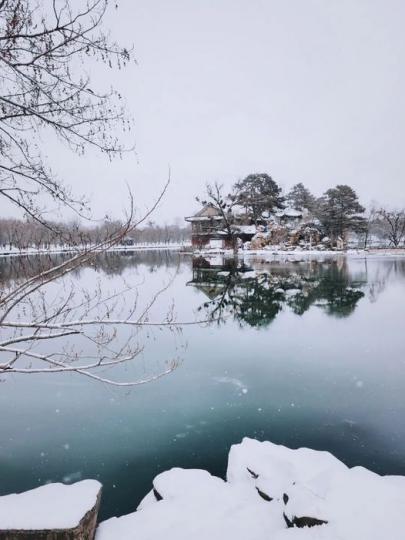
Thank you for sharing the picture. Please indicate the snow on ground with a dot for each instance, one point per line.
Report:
(53, 506)
(267, 487)
(267, 252)
(196, 506)
(14, 252)
(249, 275)
(276, 252)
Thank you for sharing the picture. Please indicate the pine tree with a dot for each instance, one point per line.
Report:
(258, 193)
(339, 212)
(301, 198)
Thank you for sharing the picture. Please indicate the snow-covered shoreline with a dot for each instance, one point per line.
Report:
(58, 250)
(270, 493)
(277, 253)
(186, 249)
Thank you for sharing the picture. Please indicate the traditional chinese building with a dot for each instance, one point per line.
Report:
(208, 230)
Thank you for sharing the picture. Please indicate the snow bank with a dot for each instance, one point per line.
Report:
(271, 493)
(276, 252)
(57, 250)
(196, 506)
(277, 468)
(53, 506)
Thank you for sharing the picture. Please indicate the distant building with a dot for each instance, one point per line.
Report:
(208, 230)
(289, 216)
(127, 241)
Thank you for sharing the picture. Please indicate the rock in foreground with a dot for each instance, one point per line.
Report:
(271, 493)
(51, 512)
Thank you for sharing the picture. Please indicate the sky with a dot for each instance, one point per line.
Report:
(308, 91)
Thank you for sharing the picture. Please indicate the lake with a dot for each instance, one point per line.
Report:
(299, 352)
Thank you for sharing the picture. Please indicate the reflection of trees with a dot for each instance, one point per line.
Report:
(111, 263)
(255, 299)
(331, 288)
(379, 275)
(258, 301)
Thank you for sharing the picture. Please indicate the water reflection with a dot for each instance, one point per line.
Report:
(255, 294)
(326, 370)
(112, 263)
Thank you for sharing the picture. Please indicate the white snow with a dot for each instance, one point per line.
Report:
(247, 229)
(15, 252)
(278, 252)
(289, 212)
(292, 292)
(53, 506)
(356, 503)
(204, 218)
(195, 506)
(249, 275)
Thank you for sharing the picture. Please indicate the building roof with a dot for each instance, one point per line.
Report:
(247, 229)
(289, 212)
(206, 213)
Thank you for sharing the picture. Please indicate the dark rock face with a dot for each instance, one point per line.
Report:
(252, 473)
(85, 530)
(294, 521)
(157, 495)
(264, 495)
(303, 521)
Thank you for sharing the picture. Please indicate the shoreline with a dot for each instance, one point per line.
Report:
(60, 251)
(295, 253)
(186, 249)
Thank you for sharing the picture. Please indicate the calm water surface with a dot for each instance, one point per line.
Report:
(307, 354)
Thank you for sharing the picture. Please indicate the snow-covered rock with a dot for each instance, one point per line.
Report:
(71, 510)
(192, 483)
(271, 493)
(277, 468)
(252, 274)
(196, 505)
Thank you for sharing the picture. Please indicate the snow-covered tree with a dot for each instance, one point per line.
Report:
(46, 90)
(340, 212)
(216, 198)
(393, 223)
(301, 198)
(258, 193)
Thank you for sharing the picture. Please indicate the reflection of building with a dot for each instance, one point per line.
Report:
(256, 295)
(210, 276)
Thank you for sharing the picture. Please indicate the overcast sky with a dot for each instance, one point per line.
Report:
(305, 90)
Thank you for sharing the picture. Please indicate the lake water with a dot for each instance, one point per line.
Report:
(309, 353)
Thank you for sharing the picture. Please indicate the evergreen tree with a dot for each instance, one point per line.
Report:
(258, 193)
(339, 212)
(301, 198)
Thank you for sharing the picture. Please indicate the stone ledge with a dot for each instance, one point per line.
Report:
(85, 530)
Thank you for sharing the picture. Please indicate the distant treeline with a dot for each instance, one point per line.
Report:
(25, 234)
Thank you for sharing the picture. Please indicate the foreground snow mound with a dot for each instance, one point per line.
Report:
(195, 505)
(53, 506)
(271, 493)
(275, 468)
